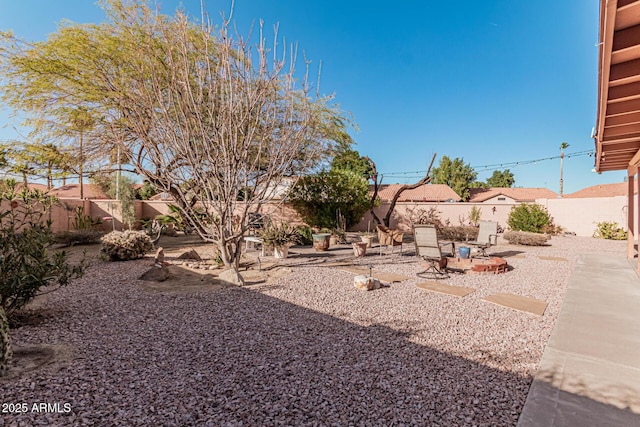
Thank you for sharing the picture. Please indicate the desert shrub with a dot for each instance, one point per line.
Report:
(460, 233)
(77, 237)
(126, 245)
(529, 217)
(552, 229)
(609, 230)
(428, 216)
(306, 234)
(525, 238)
(26, 266)
(82, 221)
(475, 215)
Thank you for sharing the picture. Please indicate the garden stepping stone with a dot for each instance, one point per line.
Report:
(517, 302)
(383, 277)
(551, 258)
(443, 288)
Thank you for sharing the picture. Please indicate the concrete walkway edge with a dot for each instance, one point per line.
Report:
(589, 374)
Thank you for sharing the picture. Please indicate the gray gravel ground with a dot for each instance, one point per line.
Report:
(307, 349)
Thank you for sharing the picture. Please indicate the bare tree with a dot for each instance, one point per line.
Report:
(387, 218)
(215, 120)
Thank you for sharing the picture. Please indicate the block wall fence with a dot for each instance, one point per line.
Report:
(574, 215)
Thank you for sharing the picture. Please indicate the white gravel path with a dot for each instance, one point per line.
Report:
(308, 349)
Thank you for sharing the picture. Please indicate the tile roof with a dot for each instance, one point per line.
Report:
(32, 186)
(424, 193)
(517, 194)
(602, 190)
(72, 191)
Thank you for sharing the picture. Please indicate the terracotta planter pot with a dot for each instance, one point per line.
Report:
(321, 242)
(281, 251)
(368, 240)
(359, 249)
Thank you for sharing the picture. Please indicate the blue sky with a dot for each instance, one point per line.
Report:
(494, 82)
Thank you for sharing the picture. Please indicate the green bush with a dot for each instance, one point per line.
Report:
(26, 266)
(525, 238)
(126, 245)
(609, 230)
(460, 233)
(306, 234)
(319, 197)
(529, 217)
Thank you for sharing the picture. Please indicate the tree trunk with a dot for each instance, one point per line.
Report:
(405, 187)
(230, 254)
(80, 169)
(5, 344)
(376, 186)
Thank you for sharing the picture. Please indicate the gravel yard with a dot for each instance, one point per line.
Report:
(305, 349)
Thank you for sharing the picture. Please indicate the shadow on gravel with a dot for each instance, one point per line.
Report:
(240, 357)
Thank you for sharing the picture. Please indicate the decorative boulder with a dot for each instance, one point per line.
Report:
(192, 254)
(231, 277)
(157, 273)
(366, 283)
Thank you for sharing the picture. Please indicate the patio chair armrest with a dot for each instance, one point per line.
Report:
(451, 245)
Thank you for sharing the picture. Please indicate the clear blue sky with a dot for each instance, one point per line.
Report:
(495, 81)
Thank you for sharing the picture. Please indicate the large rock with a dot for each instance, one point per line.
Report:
(157, 273)
(192, 254)
(231, 277)
(366, 283)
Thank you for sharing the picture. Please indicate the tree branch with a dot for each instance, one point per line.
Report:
(425, 180)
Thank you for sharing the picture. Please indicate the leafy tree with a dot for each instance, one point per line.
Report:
(198, 112)
(317, 198)
(503, 179)
(146, 191)
(121, 189)
(349, 159)
(25, 265)
(479, 184)
(456, 174)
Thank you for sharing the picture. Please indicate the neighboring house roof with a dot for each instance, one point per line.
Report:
(72, 191)
(32, 186)
(478, 195)
(602, 190)
(424, 193)
(162, 196)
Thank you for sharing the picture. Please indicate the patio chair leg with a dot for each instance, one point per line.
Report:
(435, 272)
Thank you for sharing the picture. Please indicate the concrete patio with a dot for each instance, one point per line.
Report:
(590, 371)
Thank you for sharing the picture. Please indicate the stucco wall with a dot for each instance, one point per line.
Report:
(581, 215)
(453, 213)
(575, 215)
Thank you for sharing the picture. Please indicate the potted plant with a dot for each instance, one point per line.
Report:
(367, 238)
(338, 236)
(279, 237)
(322, 240)
(359, 249)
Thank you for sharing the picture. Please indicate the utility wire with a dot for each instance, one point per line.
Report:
(507, 165)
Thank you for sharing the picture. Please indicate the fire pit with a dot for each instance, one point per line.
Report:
(493, 265)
